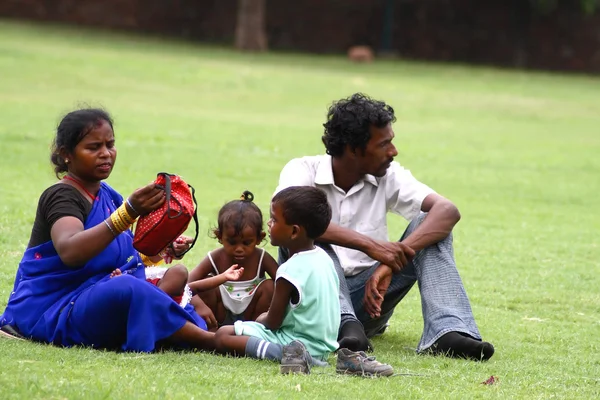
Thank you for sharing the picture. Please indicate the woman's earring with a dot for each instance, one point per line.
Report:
(66, 160)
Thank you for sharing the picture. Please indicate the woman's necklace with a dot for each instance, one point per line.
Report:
(67, 177)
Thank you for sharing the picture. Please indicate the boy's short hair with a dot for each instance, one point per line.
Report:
(305, 206)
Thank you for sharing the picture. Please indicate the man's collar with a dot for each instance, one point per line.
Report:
(324, 175)
(371, 179)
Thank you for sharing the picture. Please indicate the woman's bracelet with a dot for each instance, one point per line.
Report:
(130, 206)
(110, 228)
(118, 222)
(124, 214)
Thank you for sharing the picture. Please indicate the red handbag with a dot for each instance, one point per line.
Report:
(158, 229)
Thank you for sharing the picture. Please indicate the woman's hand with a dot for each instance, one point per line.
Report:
(233, 273)
(146, 199)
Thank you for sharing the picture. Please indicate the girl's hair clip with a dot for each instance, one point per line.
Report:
(247, 196)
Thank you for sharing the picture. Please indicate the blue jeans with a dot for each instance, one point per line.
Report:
(444, 302)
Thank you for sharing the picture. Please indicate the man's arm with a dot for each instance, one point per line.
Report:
(346, 237)
(393, 254)
(442, 216)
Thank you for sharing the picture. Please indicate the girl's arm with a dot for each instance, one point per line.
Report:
(201, 271)
(284, 291)
(270, 265)
(207, 284)
(198, 281)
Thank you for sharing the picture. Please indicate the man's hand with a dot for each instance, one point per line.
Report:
(375, 289)
(395, 255)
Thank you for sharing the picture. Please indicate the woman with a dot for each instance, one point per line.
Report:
(63, 292)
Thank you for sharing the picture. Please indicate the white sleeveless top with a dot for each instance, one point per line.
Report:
(237, 295)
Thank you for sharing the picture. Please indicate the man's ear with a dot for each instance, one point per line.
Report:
(350, 151)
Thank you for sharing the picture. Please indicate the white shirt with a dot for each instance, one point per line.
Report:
(365, 206)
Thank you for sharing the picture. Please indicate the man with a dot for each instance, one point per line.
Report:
(363, 183)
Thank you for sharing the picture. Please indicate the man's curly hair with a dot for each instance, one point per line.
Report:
(349, 120)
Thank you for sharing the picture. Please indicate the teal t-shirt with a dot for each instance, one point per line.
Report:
(315, 319)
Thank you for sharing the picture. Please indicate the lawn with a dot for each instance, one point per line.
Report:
(518, 152)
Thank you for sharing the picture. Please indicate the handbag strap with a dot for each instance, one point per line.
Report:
(195, 216)
(168, 199)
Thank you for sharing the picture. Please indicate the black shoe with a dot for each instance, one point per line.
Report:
(461, 345)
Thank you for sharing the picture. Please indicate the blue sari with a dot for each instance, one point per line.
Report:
(55, 303)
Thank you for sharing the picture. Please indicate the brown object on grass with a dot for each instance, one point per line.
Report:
(490, 381)
(361, 54)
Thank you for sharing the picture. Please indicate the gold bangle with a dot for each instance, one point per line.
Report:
(129, 216)
(125, 215)
(148, 262)
(118, 222)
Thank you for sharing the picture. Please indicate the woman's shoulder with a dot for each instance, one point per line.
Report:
(59, 190)
(60, 196)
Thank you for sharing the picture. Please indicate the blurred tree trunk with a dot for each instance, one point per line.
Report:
(250, 31)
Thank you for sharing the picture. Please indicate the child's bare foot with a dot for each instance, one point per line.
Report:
(116, 272)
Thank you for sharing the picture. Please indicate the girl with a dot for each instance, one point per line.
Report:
(231, 280)
(63, 292)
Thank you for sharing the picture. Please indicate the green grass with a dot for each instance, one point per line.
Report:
(517, 152)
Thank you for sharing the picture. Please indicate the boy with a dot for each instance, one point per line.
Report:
(304, 316)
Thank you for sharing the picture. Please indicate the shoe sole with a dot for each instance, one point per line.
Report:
(9, 336)
(364, 373)
(294, 369)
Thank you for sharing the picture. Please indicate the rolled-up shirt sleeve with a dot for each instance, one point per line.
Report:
(296, 172)
(404, 193)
